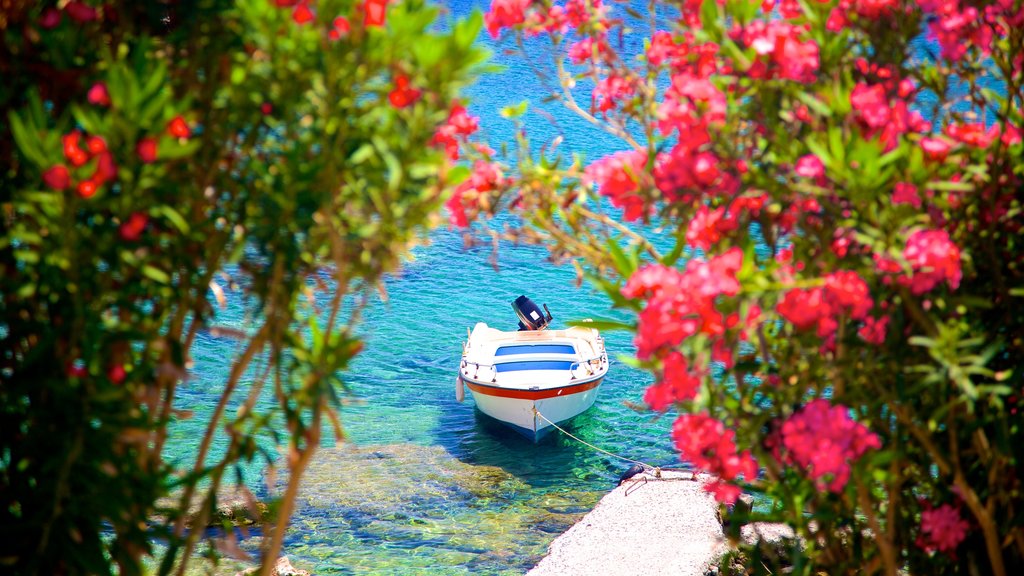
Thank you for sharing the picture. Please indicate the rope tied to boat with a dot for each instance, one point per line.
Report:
(656, 469)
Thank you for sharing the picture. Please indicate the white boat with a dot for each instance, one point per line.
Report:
(535, 376)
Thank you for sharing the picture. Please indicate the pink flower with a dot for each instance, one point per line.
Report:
(505, 14)
(131, 230)
(677, 383)
(703, 230)
(98, 95)
(146, 149)
(936, 149)
(874, 9)
(802, 308)
(374, 13)
(973, 134)
(664, 48)
(72, 151)
(486, 176)
(459, 126)
(871, 104)
(782, 51)
(81, 12)
(178, 128)
(50, 18)
(704, 442)
(810, 166)
(340, 27)
(934, 258)
(610, 90)
(942, 529)
(57, 177)
(906, 193)
(873, 330)
(619, 176)
(302, 14)
(824, 441)
(403, 95)
(588, 49)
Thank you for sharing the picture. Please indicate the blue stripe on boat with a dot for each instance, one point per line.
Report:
(535, 349)
(534, 365)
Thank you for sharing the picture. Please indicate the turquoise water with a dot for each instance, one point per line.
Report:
(435, 486)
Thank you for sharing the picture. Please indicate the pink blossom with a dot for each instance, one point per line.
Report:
(588, 49)
(98, 95)
(871, 104)
(704, 442)
(505, 14)
(824, 441)
(57, 177)
(703, 231)
(810, 166)
(782, 51)
(81, 12)
(973, 134)
(664, 48)
(619, 176)
(936, 149)
(873, 330)
(934, 258)
(50, 18)
(874, 9)
(610, 90)
(906, 193)
(942, 529)
(677, 383)
(486, 176)
(459, 126)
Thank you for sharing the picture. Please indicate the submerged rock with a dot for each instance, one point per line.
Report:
(283, 567)
(419, 509)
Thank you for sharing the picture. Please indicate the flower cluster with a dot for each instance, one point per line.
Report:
(844, 293)
(459, 126)
(681, 304)
(825, 441)
(942, 529)
(707, 445)
(486, 176)
(934, 259)
(677, 383)
(619, 177)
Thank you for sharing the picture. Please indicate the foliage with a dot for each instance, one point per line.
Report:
(816, 219)
(155, 155)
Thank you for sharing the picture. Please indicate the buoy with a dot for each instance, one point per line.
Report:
(460, 390)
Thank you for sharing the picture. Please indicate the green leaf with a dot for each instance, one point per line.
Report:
(28, 144)
(466, 31)
(155, 274)
(175, 218)
(515, 111)
(603, 324)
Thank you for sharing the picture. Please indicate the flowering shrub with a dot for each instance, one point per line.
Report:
(816, 216)
(156, 155)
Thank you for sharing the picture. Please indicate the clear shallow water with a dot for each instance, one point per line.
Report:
(439, 487)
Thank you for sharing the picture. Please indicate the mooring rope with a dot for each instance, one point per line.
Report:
(657, 469)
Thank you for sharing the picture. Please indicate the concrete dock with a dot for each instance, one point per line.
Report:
(647, 525)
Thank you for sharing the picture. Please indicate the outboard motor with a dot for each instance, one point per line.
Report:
(530, 315)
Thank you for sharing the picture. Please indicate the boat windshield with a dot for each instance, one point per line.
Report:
(534, 365)
(535, 349)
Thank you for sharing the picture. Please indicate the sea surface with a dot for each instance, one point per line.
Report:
(425, 484)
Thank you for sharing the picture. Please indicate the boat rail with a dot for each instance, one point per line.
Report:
(589, 363)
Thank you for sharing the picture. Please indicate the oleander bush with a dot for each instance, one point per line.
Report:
(154, 156)
(815, 218)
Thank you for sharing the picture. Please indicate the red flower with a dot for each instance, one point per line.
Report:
(81, 12)
(906, 193)
(873, 330)
(824, 440)
(341, 28)
(403, 96)
(106, 170)
(459, 126)
(266, 108)
(72, 151)
(677, 383)
(374, 12)
(87, 189)
(57, 177)
(95, 144)
(131, 230)
(486, 176)
(810, 166)
(116, 374)
(285, 3)
(619, 176)
(934, 259)
(936, 149)
(871, 104)
(146, 149)
(505, 14)
(709, 446)
(302, 14)
(942, 529)
(50, 18)
(178, 128)
(98, 95)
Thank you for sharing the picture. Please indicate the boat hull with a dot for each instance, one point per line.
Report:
(518, 408)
